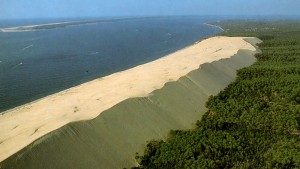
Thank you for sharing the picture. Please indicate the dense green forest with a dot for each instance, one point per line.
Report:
(255, 121)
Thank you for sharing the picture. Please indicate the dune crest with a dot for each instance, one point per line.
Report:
(21, 126)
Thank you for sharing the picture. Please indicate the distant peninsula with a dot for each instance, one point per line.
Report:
(59, 25)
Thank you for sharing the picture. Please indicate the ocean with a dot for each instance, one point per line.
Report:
(35, 64)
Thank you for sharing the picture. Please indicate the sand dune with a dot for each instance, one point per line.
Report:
(21, 126)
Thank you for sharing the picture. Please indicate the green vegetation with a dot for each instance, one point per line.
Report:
(255, 121)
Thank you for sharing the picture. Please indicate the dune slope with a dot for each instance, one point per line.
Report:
(111, 139)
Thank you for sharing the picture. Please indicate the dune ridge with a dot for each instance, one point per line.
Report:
(21, 126)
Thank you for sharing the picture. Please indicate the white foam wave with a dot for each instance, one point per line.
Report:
(27, 47)
(94, 53)
(216, 26)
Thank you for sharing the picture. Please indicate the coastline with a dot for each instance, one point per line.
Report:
(55, 25)
(31, 27)
(23, 125)
(51, 25)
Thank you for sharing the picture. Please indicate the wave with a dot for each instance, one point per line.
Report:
(17, 65)
(27, 47)
(94, 53)
(216, 26)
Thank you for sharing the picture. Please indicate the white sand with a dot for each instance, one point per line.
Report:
(23, 125)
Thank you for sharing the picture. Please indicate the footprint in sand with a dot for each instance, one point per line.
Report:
(76, 109)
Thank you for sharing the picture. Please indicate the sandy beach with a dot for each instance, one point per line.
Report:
(23, 125)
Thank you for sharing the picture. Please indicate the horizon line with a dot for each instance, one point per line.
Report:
(150, 16)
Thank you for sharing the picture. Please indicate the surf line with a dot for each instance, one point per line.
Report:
(17, 65)
(27, 47)
(216, 26)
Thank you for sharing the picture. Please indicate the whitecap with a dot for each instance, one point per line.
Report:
(27, 47)
(94, 53)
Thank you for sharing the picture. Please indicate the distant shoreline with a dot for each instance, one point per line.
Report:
(30, 27)
(60, 25)
(71, 23)
(52, 25)
(66, 24)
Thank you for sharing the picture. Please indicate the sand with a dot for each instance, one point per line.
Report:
(112, 139)
(23, 125)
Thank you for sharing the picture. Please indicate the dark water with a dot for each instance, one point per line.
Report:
(39, 63)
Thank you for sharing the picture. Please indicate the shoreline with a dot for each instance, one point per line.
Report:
(30, 28)
(23, 125)
(55, 25)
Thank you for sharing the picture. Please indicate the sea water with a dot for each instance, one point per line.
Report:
(35, 64)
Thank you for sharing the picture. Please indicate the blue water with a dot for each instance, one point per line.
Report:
(38, 63)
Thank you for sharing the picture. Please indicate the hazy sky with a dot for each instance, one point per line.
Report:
(87, 8)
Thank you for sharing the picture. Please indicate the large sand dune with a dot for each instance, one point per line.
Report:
(21, 126)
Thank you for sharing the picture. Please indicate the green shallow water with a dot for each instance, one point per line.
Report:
(112, 139)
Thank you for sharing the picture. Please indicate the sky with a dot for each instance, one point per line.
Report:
(10, 9)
